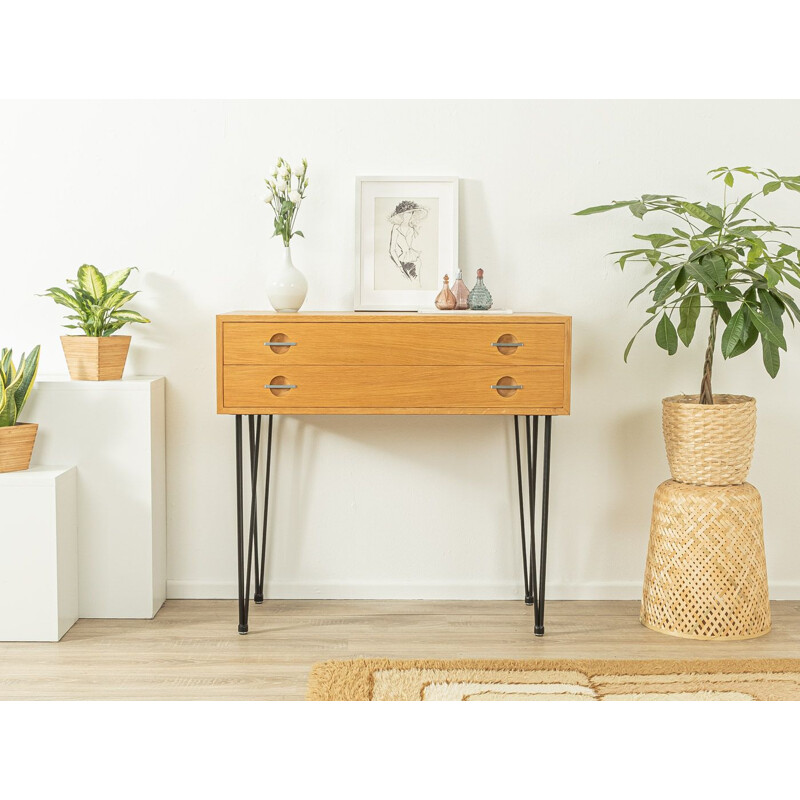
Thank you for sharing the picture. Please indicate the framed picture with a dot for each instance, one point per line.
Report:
(406, 241)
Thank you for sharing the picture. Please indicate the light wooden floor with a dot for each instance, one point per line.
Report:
(191, 650)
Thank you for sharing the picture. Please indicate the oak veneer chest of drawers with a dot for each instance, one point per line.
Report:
(393, 364)
(270, 364)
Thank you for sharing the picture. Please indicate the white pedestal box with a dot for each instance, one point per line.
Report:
(114, 432)
(38, 554)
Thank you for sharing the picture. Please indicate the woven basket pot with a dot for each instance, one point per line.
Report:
(709, 445)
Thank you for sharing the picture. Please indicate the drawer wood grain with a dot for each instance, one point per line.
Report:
(394, 388)
(504, 344)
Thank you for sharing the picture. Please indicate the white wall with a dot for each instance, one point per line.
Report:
(406, 506)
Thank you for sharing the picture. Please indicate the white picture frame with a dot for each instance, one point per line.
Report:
(406, 241)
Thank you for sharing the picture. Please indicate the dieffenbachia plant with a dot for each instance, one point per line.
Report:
(97, 301)
(729, 259)
(16, 384)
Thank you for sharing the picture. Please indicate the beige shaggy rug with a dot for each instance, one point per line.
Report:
(729, 679)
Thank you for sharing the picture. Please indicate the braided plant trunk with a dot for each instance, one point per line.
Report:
(706, 395)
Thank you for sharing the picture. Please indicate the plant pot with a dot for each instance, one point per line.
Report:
(16, 446)
(709, 445)
(96, 358)
(286, 285)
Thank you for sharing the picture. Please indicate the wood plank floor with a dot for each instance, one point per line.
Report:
(191, 650)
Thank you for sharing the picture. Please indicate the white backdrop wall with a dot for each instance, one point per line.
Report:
(405, 506)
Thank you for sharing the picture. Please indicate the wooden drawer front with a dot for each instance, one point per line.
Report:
(401, 344)
(392, 387)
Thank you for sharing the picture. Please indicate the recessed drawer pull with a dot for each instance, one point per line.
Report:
(508, 344)
(280, 386)
(280, 344)
(507, 386)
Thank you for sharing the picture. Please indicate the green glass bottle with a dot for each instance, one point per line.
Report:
(479, 298)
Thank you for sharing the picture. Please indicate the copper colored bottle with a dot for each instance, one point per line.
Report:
(461, 292)
(445, 300)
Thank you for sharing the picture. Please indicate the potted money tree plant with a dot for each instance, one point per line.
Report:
(735, 268)
(16, 438)
(96, 301)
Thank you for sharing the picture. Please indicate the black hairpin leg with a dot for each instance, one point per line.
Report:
(534, 584)
(249, 562)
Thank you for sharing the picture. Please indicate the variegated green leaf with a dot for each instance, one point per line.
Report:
(115, 279)
(91, 281)
(8, 409)
(28, 368)
(128, 316)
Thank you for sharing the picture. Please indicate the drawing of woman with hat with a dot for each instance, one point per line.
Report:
(405, 221)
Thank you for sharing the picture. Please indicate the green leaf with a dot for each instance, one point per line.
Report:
(128, 316)
(772, 275)
(689, 312)
(734, 331)
(729, 179)
(299, 233)
(638, 209)
(767, 329)
(633, 338)
(666, 286)
(740, 205)
(115, 279)
(666, 335)
(91, 281)
(723, 311)
(771, 309)
(29, 367)
(770, 187)
(749, 339)
(602, 209)
(698, 212)
(62, 297)
(771, 356)
(8, 409)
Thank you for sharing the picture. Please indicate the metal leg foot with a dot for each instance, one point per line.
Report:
(527, 470)
(251, 563)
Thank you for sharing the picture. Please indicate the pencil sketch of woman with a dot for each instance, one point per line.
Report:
(405, 223)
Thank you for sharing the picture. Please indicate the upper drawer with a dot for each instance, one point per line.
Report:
(395, 344)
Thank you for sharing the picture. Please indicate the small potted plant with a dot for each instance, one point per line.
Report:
(16, 438)
(734, 264)
(97, 301)
(287, 286)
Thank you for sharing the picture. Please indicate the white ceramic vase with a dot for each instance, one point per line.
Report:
(286, 286)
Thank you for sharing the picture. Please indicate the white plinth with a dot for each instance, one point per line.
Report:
(114, 432)
(38, 554)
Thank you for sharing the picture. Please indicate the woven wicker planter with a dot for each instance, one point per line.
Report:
(709, 445)
(16, 446)
(96, 358)
(706, 574)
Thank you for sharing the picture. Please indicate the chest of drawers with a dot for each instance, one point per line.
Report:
(393, 364)
(271, 364)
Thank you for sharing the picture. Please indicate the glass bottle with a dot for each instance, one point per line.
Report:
(445, 300)
(461, 293)
(479, 297)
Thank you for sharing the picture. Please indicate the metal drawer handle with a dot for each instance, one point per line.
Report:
(280, 344)
(507, 386)
(281, 386)
(508, 344)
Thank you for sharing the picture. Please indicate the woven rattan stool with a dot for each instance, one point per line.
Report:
(706, 575)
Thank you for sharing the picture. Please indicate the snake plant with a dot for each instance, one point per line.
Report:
(97, 301)
(16, 384)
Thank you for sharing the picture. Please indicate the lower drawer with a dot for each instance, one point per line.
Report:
(478, 388)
